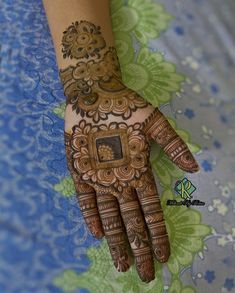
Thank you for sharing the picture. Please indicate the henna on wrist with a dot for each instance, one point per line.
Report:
(82, 39)
(89, 84)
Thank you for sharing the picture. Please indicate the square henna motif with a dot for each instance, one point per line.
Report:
(108, 149)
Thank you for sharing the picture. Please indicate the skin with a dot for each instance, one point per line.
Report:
(108, 128)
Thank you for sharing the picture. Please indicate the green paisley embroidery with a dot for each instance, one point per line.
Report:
(166, 171)
(65, 187)
(142, 17)
(177, 287)
(97, 278)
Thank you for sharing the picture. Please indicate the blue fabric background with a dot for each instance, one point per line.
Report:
(42, 233)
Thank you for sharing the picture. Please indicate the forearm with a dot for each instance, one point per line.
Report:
(62, 13)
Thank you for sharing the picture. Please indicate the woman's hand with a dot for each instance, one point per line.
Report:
(107, 132)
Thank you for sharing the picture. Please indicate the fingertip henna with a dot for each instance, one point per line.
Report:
(157, 127)
(145, 269)
(187, 162)
(137, 234)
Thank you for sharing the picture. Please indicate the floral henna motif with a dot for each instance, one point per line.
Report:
(111, 156)
(94, 87)
(88, 86)
(82, 39)
(158, 128)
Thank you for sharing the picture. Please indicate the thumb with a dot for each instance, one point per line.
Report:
(157, 127)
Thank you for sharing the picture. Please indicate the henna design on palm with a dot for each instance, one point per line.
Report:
(108, 153)
(113, 160)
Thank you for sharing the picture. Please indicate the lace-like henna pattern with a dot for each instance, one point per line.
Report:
(82, 39)
(158, 128)
(88, 86)
(128, 151)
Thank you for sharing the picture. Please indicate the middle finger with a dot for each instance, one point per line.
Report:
(137, 234)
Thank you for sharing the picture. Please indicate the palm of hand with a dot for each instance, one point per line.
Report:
(108, 157)
(107, 133)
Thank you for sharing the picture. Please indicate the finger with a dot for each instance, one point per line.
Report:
(86, 197)
(158, 128)
(87, 201)
(114, 230)
(137, 234)
(153, 214)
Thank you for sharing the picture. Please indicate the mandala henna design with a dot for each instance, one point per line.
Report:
(158, 128)
(126, 160)
(82, 39)
(88, 86)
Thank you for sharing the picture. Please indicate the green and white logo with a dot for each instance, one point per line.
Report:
(185, 188)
